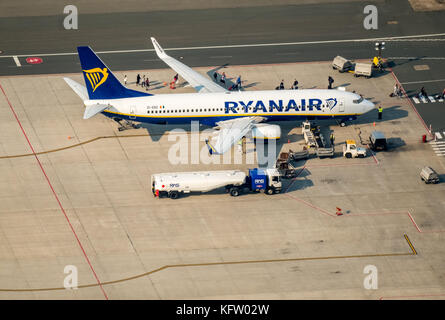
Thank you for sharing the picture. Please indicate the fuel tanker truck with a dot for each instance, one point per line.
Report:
(172, 185)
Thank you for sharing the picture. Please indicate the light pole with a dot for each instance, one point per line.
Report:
(379, 46)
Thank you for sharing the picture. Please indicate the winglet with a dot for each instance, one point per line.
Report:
(210, 147)
(161, 53)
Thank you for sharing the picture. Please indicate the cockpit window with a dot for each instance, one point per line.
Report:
(358, 100)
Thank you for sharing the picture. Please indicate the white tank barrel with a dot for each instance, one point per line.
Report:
(196, 181)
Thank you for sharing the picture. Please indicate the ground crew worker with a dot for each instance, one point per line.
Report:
(331, 81)
(332, 139)
(380, 112)
(240, 145)
(125, 80)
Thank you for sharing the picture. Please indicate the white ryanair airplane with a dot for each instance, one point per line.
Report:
(235, 113)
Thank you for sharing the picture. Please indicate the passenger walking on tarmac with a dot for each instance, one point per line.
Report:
(423, 93)
(143, 81)
(215, 76)
(223, 79)
(238, 83)
(282, 85)
(380, 112)
(138, 79)
(332, 138)
(295, 85)
(331, 81)
(395, 91)
(125, 79)
(147, 84)
(175, 78)
(441, 95)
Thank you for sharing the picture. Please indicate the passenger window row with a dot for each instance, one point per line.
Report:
(184, 110)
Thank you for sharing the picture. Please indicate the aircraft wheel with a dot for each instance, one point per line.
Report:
(348, 155)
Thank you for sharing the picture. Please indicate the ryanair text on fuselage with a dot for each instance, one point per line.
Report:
(279, 105)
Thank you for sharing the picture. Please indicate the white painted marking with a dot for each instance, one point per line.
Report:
(426, 81)
(245, 45)
(415, 100)
(431, 98)
(424, 100)
(438, 135)
(440, 100)
(17, 61)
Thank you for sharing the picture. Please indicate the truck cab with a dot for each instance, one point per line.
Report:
(350, 150)
(268, 180)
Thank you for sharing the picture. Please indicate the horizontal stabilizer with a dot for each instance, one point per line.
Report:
(94, 109)
(79, 89)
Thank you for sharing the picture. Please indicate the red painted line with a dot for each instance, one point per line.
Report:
(411, 104)
(54, 193)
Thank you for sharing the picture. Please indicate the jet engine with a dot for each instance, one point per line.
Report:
(266, 131)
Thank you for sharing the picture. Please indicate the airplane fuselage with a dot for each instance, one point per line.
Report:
(209, 108)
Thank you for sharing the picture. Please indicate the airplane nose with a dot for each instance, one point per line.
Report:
(368, 106)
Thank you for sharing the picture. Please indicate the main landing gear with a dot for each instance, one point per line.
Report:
(126, 124)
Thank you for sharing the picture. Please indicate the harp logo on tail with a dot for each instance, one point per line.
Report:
(96, 76)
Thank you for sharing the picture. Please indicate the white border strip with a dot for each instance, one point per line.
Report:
(239, 45)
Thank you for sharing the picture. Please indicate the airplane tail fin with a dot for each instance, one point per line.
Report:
(100, 81)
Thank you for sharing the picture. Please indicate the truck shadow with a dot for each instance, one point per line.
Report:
(300, 183)
(395, 143)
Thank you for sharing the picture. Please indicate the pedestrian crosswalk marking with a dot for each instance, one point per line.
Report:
(426, 100)
(438, 143)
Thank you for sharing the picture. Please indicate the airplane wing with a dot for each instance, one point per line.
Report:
(195, 79)
(230, 132)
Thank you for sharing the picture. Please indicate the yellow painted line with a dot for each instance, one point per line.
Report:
(208, 264)
(75, 145)
(414, 252)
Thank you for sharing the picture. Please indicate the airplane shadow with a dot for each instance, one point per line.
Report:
(156, 131)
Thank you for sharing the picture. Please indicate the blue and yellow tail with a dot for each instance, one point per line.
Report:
(100, 81)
